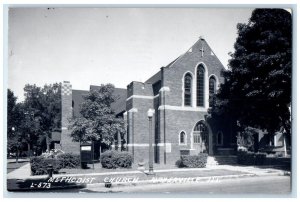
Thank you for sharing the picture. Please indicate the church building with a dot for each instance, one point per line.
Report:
(180, 96)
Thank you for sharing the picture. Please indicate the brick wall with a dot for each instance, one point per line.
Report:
(169, 121)
(66, 143)
(173, 75)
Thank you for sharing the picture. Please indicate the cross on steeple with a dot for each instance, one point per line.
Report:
(202, 51)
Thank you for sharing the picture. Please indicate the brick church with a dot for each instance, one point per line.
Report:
(179, 94)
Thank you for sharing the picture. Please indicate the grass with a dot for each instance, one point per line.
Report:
(98, 169)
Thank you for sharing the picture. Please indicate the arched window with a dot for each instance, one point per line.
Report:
(220, 138)
(200, 85)
(212, 89)
(188, 90)
(182, 138)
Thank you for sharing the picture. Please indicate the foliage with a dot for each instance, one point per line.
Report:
(34, 119)
(39, 164)
(179, 163)
(192, 161)
(97, 121)
(257, 87)
(115, 159)
(52, 153)
(245, 138)
(42, 111)
(15, 137)
(68, 160)
(251, 158)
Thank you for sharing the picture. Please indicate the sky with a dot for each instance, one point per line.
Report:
(93, 46)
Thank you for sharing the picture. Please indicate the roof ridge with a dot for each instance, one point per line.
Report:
(200, 38)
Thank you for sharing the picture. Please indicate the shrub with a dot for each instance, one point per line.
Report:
(192, 161)
(179, 163)
(115, 159)
(260, 158)
(39, 164)
(68, 160)
(250, 158)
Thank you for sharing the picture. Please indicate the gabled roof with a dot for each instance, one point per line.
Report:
(119, 105)
(77, 97)
(155, 78)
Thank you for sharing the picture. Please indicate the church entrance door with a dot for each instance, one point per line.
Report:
(200, 137)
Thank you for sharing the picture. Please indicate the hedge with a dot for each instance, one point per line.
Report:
(116, 159)
(39, 164)
(192, 161)
(251, 158)
(68, 160)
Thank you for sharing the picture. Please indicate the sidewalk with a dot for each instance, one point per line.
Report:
(24, 171)
(21, 173)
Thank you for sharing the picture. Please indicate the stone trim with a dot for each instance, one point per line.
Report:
(165, 88)
(142, 97)
(182, 108)
(146, 144)
(133, 110)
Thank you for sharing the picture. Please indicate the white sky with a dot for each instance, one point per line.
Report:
(110, 45)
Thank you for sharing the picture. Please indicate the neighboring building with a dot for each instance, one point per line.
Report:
(71, 100)
(180, 96)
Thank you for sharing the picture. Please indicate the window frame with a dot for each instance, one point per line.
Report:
(185, 137)
(212, 77)
(190, 93)
(222, 138)
(200, 86)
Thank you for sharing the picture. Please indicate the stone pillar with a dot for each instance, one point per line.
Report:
(125, 135)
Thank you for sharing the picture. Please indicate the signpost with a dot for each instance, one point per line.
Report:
(86, 153)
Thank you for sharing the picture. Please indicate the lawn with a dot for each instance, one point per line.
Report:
(98, 169)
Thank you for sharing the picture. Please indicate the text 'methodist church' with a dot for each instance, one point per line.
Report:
(179, 93)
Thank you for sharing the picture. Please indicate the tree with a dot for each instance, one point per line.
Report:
(97, 121)
(42, 114)
(257, 87)
(15, 140)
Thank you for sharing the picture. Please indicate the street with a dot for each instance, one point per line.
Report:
(249, 185)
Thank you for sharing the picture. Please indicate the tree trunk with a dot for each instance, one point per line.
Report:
(17, 155)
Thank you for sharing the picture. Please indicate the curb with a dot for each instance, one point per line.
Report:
(145, 182)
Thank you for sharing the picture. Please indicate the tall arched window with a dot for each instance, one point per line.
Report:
(200, 85)
(188, 89)
(212, 89)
